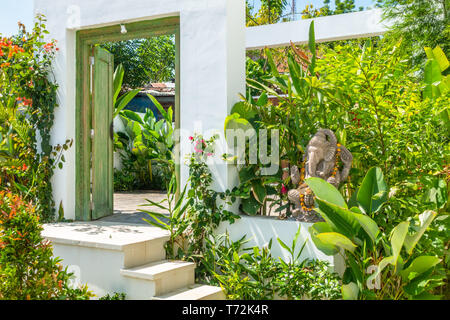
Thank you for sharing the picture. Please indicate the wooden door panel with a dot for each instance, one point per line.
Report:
(102, 144)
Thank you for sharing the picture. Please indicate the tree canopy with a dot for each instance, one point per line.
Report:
(419, 23)
(145, 60)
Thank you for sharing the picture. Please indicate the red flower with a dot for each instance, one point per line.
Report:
(283, 189)
(191, 138)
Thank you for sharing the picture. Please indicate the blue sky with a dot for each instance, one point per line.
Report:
(22, 10)
(13, 11)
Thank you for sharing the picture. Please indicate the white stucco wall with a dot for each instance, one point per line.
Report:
(352, 25)
(212, 73)
(260, 230)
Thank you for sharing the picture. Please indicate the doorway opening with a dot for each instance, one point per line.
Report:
(127, 110)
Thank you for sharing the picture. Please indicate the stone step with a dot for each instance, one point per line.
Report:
(166, 275)
(136, 244)
(195, 292)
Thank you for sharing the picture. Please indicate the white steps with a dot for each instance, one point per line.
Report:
(138, 244)
(112, 257)
(166, 275)
(195, 292)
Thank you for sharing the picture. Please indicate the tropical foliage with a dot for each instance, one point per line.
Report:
(368, 93)
(351, 230)
(145, 147)
(197, 212)
(144, 60)
(250, 273)
(254, 274)
(420, 23)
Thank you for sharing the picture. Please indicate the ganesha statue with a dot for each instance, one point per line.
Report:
(324, 158)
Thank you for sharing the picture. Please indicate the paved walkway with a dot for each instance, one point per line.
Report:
(127, 205)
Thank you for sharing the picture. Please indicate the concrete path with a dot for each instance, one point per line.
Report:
(127, 205)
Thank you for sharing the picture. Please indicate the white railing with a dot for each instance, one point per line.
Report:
(353, 25)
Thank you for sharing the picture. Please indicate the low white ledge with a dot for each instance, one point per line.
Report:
(353, 25)
(259, 230)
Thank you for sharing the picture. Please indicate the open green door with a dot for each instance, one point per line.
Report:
(102, 133)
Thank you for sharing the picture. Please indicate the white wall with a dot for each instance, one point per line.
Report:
(212, 73)
(259, 230)
(330, 28)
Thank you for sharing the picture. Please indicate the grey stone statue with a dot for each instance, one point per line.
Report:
(321, 160)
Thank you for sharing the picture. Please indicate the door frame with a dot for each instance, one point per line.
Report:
(85, 39)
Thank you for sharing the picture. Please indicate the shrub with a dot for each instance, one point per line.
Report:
(27, 103)
(27, 268)
(254, 274)
(114, 296)
(351, 230)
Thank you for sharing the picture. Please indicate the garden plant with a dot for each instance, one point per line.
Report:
(385, 98)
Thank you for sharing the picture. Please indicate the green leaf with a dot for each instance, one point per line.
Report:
(244, 109)
(259, 191)
(432, 75)
(262, 101)
(350, 291)
(437, 194)
(164, 227)
(326, 248)
(247, 174)
(236, 257)
(273, 67)
(419, 284)
(283, 245)
(369, 226)
(440, 57)
(124, 100)
(373, 191)
(325, 191)
(398, 236)
(337, 239)
(427, 296)
(425, 219)
(117, 82)
(131, 115)
(259, 86)
(383, 264)
(312, 47)
(352, 202)
(250, 206)
(235, 122)
(429, 52)
(340, 219)
(297, 234)
(418, 266)
(159, 107)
